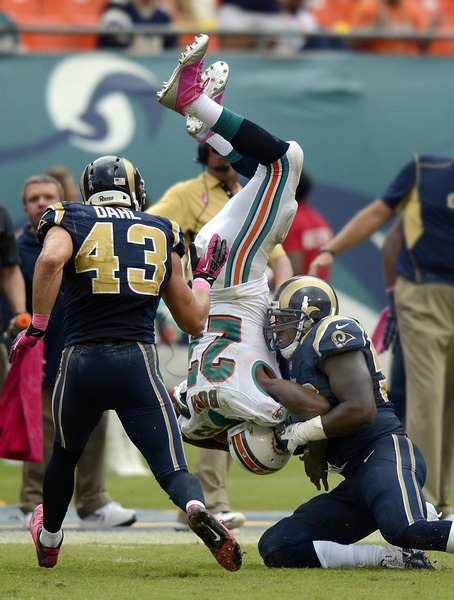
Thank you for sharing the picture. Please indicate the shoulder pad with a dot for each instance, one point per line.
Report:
(338, 334)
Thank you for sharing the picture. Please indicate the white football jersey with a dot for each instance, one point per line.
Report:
(222, 360)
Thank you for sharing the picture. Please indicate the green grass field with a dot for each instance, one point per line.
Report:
(172, 572)
(282, 491)
(118, 569)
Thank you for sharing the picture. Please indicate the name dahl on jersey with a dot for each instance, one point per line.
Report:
(107, 212)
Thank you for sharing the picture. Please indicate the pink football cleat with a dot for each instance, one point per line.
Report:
(185, 85)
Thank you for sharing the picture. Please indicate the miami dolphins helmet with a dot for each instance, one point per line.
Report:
(258, 449)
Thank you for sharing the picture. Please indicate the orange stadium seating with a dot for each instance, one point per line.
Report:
(55, 13)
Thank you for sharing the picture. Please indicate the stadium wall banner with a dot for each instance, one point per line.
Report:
(358, 117)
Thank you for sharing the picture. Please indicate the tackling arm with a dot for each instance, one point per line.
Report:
(351, 383)
(306, 403)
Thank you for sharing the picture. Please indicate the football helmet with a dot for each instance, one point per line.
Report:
(258, 449)
(298, 305)
(113, 181)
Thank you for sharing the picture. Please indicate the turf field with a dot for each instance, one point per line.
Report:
(143, 564)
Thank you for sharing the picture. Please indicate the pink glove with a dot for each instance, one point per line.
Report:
(209, 265)
(377, 335)
(27, 337)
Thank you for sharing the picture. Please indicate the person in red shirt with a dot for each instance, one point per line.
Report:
(308, 232)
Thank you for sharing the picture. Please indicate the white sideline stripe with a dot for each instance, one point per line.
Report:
(129, 537)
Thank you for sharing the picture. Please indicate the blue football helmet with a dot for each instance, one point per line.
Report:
(113, 181)
(298, 305)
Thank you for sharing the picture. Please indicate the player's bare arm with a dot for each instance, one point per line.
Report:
(57, 250)
(189, 307)
(351, 383)
(303, 401)
(205, 270)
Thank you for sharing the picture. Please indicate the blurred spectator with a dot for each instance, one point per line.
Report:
(120, 15)
(389, 16)
(200, 10)
(71, 193)
(258, 16)
(66, 179)
(440, 14)
(308, 232)
(333, 14)
(9, 38)
(295, 19)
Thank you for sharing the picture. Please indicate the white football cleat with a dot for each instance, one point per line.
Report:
(405, 558)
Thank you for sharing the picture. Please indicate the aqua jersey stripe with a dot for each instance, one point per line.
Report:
(252, 217)
(234, 248)
(271, 219)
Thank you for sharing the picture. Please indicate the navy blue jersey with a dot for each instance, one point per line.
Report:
(121, 262)
(332, 336)
(424, 192)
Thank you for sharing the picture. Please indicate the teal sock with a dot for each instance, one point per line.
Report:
(233, 156)
(227, 124)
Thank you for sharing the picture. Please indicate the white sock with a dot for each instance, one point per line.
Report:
(205, 109)
(220, 144)
(50, 540)
(194, 502)
(332, 555)
(450, 543)
(432, 514)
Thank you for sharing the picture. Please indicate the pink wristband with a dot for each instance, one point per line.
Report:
(40, 321)
(200, 283)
